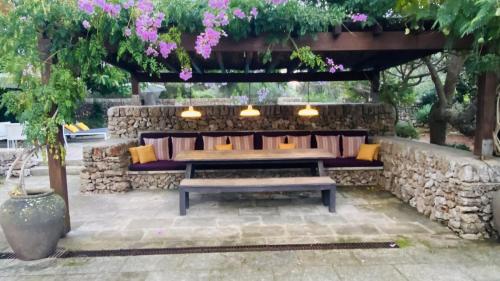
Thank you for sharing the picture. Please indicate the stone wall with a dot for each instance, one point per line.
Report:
(170, 179)
(7, 157)
(448, 185)
(128, 121)
(105, 166)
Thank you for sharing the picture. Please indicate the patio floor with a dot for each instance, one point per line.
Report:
(145, 219)
(148, 219)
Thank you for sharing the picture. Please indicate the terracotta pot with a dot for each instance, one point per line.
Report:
(33, 224)
(496, 210)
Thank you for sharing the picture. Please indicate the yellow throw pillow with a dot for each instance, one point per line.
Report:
(134, 154)
(223, 147)
(287, 146)
(146, 154)
(72, 128)
(82, 126)
(368, 152)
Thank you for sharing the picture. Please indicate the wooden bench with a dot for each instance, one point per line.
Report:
(324, 184)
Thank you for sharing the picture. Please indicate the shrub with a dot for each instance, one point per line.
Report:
(429, 97)
(422, 115)
(406, 130)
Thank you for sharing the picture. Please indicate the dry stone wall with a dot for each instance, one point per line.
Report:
(445, 184)
(8, 156)
(170, 179)
(128, 121)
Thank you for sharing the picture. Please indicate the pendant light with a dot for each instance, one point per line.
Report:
(190, 113)
(308, 111)
(249, 111)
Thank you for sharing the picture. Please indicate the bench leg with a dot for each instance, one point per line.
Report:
(182, 202)
(325, 197)
(332, 199)
(187, 199)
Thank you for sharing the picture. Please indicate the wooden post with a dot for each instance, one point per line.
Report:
(57, 171)
(136, 90)
(485, 117)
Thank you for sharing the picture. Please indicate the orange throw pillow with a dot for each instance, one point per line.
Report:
(287, 146)
(368, 152)
(146, 154)
(134, 154)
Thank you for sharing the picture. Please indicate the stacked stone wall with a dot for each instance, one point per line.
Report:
(448, 185)
(128, 121)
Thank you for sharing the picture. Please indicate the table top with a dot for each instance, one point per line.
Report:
(252, 155)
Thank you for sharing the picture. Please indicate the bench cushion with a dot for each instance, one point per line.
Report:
(257, 182)
(351, 162)
(162, 165)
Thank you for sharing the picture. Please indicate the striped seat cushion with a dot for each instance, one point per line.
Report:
(181, 144)
(242, 142)
(351, 145)
(209, 143)
(160, 146)
(329, 143)
(272, 142)
(301, 142)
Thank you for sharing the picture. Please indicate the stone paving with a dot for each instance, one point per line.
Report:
(146, 219)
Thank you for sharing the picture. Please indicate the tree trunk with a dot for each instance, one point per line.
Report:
(57, 171)
(438, 124)
(438, 117)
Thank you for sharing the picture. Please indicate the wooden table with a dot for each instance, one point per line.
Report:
(198, 159)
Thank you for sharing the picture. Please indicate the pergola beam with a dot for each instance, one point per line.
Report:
(257, 77)
(344, 42)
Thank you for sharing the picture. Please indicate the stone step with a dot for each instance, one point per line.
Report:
(44, 170)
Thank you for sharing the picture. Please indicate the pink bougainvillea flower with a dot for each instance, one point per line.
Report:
(166, 48)
(206, 40)
(128, 4)
(209, 19)
(332, 67)
(127, 32)
(239, 13)
(254, 12)
(86, 24)
(145, 6)
(218, 4)
(146, 27)
(86, 6)
(186, 74)
(358, 17)
(150, 51)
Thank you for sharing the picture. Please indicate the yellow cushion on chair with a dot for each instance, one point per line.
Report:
(82, 126)
(287, 146)
(134, 154)
(72, 128)
(223, 147)
(146, 154)
(368, 152)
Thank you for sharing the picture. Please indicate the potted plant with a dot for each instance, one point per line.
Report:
(33, 221)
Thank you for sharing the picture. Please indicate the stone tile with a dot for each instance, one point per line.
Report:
(326, 257)
(355, 229)
(291, 240)
(193, 221)
(368, 272)
(152, 263)
(435, 272)
(91, 265)
(258, 211)
(320, 273)
(383, 256)
(177, 275)
(482, 272)
(308, 230)
(149, 223)
(402, 228)
(262, 231)
(283, 219)
(238, 221)
(241, 275)
(334, 219)
(210, 262)
(440, 256)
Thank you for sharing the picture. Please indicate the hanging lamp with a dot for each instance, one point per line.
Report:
(190, 112)
(249, 111)
(308, 111)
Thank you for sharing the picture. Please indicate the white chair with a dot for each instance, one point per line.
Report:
(3, 130)
(15, 133)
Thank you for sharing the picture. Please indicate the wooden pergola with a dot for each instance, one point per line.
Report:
(363, 52)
